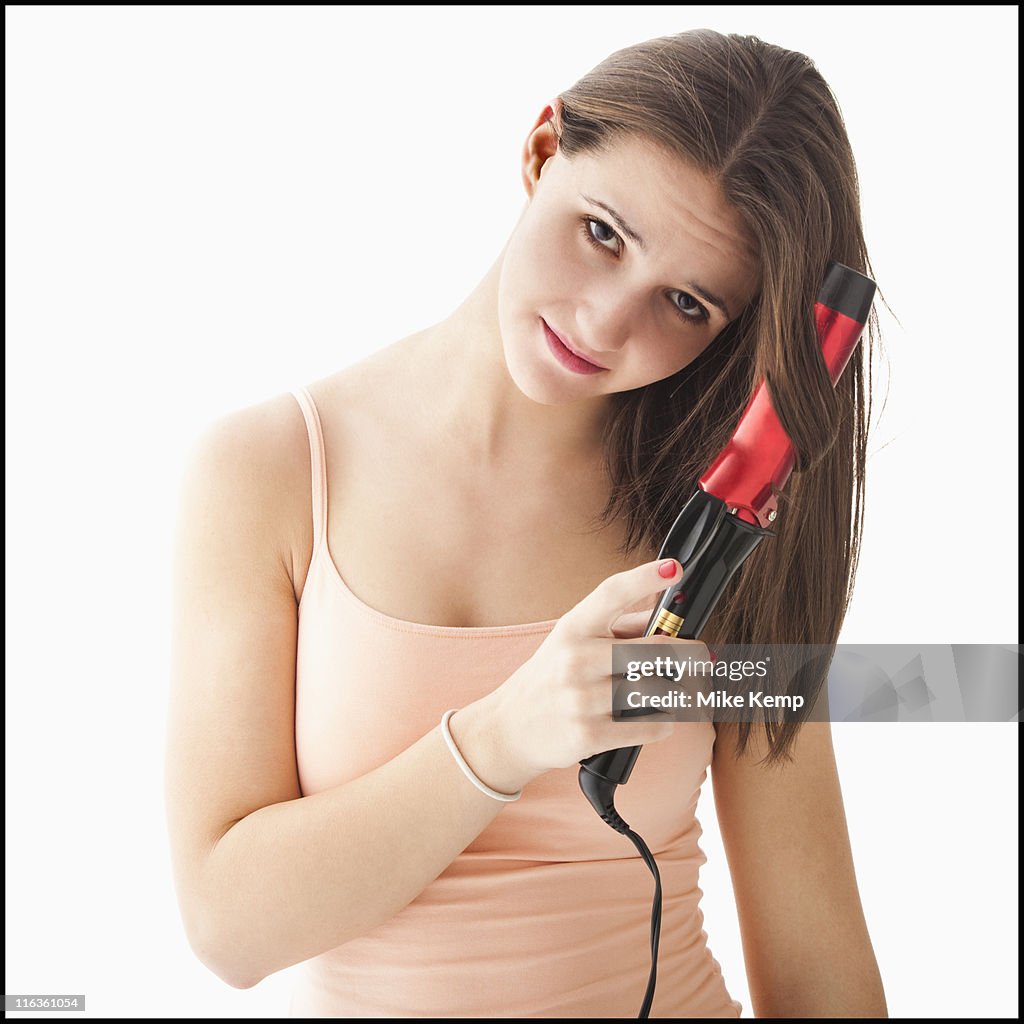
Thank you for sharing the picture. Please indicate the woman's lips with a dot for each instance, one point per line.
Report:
(566, 356)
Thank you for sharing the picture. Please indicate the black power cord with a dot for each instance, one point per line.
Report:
(601, 794)
(655, 918)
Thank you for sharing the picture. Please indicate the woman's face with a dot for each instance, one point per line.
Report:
(633, 291)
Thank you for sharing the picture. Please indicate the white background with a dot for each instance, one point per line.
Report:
(207, 206)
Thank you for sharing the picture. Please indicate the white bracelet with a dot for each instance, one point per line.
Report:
(461, 762)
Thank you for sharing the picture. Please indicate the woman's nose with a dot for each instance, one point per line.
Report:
(607, 320)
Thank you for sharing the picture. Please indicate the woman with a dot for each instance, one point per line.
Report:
(351, 555)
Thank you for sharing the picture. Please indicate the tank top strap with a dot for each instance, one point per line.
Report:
(318, 463)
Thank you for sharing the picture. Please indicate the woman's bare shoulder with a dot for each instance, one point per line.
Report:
(260, 454)
(274, 431)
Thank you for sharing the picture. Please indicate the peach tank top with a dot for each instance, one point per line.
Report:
(547, 912)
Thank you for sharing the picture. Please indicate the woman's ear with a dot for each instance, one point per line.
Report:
(540, 146)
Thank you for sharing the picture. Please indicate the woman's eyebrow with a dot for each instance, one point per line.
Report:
(698, 290)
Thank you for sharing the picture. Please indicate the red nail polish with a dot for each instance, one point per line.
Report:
(667, 569)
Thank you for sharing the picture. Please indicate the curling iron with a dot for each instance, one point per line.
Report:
(718, 529)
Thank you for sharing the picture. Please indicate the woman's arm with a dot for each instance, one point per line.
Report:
(805, 941)
(265, 876)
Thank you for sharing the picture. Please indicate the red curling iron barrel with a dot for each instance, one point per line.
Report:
(759, 457)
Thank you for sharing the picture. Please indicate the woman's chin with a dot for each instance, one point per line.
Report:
(543, 388)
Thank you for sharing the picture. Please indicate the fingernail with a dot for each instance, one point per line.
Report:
(668, 569)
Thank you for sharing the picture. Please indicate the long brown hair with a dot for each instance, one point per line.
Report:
(761, 122)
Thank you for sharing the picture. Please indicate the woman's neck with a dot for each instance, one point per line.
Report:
(461, 369)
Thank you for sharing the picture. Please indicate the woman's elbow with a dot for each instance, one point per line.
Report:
(218, 956)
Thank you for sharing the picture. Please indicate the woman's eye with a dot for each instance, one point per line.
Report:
(599, 234)
(690, 306)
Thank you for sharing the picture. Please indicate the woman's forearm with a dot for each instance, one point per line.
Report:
(294, 879)
(851, 988)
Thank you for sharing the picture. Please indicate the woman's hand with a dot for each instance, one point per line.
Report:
(555, 710)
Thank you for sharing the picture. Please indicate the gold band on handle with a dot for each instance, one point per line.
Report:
(668, 623)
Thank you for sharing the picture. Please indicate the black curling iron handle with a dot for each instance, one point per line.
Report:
(710, 544)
